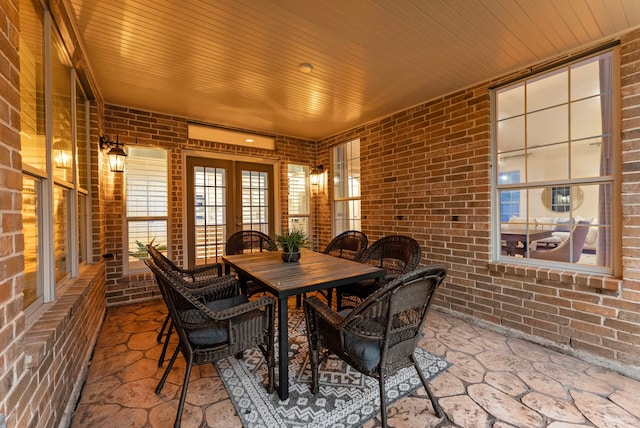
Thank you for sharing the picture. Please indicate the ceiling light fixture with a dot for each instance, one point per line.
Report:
(305, 67)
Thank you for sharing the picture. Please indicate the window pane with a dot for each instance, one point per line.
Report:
(510, 102)
(61, 112)
(548, 126)
(511, 134)
(548, 163)
(586, 158)
(300, 224)
(147, 183)
(298, 189)
(61, 232)
(30, 227)
(347, 216)
(347, 170)
(585, 78)
(142, 233)
(346, 179)
(548, 90)
(586, 118)
(82, 137)
(510, 162)
(32, 107)
(82, 228)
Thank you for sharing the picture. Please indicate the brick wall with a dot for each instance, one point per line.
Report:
(12, 354)
(423, 166)
(58, 349)
(170, 132)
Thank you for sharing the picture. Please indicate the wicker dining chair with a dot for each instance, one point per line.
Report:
(226, 325)
(194, 277)
(249, 241)
(379, 336)
(346, 245)
(396, 254)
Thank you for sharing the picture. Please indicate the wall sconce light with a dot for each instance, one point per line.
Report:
(314, 175)
(117, 155)
(61, 155)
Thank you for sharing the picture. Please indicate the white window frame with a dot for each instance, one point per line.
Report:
(349, 198)
(613, 179)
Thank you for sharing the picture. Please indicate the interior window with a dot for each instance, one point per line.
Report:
(554, 144)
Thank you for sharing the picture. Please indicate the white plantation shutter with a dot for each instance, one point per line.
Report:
(147, 199)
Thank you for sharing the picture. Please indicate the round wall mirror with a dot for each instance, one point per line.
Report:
(562, 199)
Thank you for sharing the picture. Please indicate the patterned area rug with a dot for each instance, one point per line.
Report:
(346, 398)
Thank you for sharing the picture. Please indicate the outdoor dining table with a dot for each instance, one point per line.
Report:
(512, 236)
(314, 271)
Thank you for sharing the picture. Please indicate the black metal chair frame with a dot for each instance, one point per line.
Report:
(392, 319)
(247, 325)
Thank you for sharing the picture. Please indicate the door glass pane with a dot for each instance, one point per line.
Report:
(210, 209)
(254, 203)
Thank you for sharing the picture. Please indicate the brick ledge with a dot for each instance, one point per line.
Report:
(598, 282)
(41, 337)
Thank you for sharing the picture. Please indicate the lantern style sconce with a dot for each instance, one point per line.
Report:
(61, 155)
(314, 175)
(117, 156)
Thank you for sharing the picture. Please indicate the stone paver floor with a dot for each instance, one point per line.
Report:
(495, 381)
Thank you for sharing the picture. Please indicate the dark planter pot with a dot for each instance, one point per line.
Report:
(290, 257)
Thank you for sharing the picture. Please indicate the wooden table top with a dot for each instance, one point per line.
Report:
(522, 234)
(314, 271)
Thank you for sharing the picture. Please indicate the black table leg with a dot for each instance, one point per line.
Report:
(283, 344)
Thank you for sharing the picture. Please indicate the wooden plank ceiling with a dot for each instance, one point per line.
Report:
(235, 62)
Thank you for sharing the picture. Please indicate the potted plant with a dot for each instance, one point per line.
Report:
(290, 242)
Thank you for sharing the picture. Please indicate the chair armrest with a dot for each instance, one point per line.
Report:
(234, 311)
(323, 325)
(321, 310)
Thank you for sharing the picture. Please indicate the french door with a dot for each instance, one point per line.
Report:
(224, 197)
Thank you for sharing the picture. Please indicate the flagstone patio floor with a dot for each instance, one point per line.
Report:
(494, 381)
